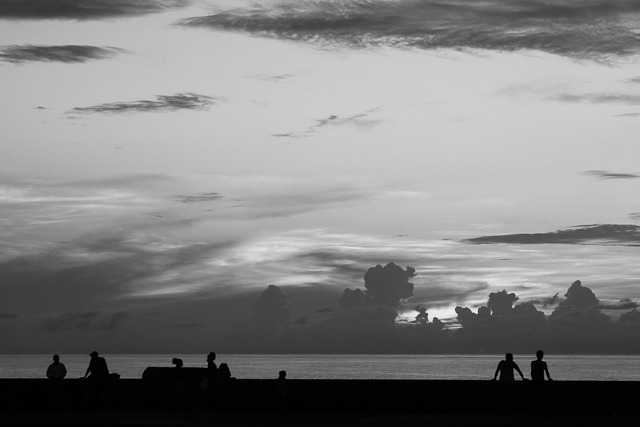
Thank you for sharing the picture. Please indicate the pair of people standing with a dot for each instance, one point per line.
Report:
(538, 368)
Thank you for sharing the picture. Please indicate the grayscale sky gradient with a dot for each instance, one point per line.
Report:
(164, 162)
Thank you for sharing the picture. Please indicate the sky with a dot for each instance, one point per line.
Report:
(191, 176)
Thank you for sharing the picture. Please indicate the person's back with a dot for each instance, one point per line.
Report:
(97, 367)
(506, 368)
(539, 368)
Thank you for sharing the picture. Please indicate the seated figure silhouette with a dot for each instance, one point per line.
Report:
(539, 368)
(212, 369)
(97, 369)
(56, 372)
(282, 392)
(506, 368)
(224, 372)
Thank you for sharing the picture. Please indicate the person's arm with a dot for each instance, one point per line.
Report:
(88, 370)
(497, 370)
(515, 365)
(49, 372)
(64, 371)
(546, 370)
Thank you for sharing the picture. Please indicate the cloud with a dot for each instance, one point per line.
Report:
(180, 101)
(635, 216)
(190, 325)
(623, 304)
(359, 120)
(599, 98)
(601, 174)
(83, 9)
(388, 285)
(68, 53)
(8, 316)
(202, 197)
(595, 29)
(604, 234)
(69, 321)
(112, 322)
(277, 78)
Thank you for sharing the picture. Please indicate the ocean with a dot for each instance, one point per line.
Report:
(413, 367)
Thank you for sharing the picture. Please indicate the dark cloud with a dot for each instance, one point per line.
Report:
(180, 101)
(388, 285)
(190, 325)
(66, 53)
(599, 98)
(112, 322)
(352, 298)
(333, 120)
(610, 175)
(271, 308)
(579, 297)
(623, 304)
(501, 303)
(278, 78)
(8, 316)
(594, 29)
(69, 321)
(325, 310)
(635, 216)
(83, 9)
(202, 197)
(607, 234)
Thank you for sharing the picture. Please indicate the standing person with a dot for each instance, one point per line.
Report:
(506, 368)
(97, 367)
(539, 368)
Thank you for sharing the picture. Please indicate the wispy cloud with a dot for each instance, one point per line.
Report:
(599, 98)
(83, 9)
(180, 101)
(602, 174)
(67, 53)
(277, 78)
(608, 234)
(359, 120)
(196, 198)
(83, 320)
(594, 29)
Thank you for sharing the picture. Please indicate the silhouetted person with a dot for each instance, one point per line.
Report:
(282, 392)
(224, 372)
(97, 374)
(539, 368)
(177, 386)
(212, 369)
(506, 368)
(97, 369)
(56, 372)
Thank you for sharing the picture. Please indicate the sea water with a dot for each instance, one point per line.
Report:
(413, 367)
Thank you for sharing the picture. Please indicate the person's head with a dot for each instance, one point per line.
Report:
(177, 362)
(56, 358)
(539, 354)
(508, 356)
(93, 354)
(211, 357)
(282, 375)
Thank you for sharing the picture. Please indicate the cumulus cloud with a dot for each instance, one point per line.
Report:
(271, 308)
(580, 29)
(602, 174)
(388, 285)
(608, 234)
(352, 298)
(180, 101)
(83, 9)
(196, 198)
(67, 53)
